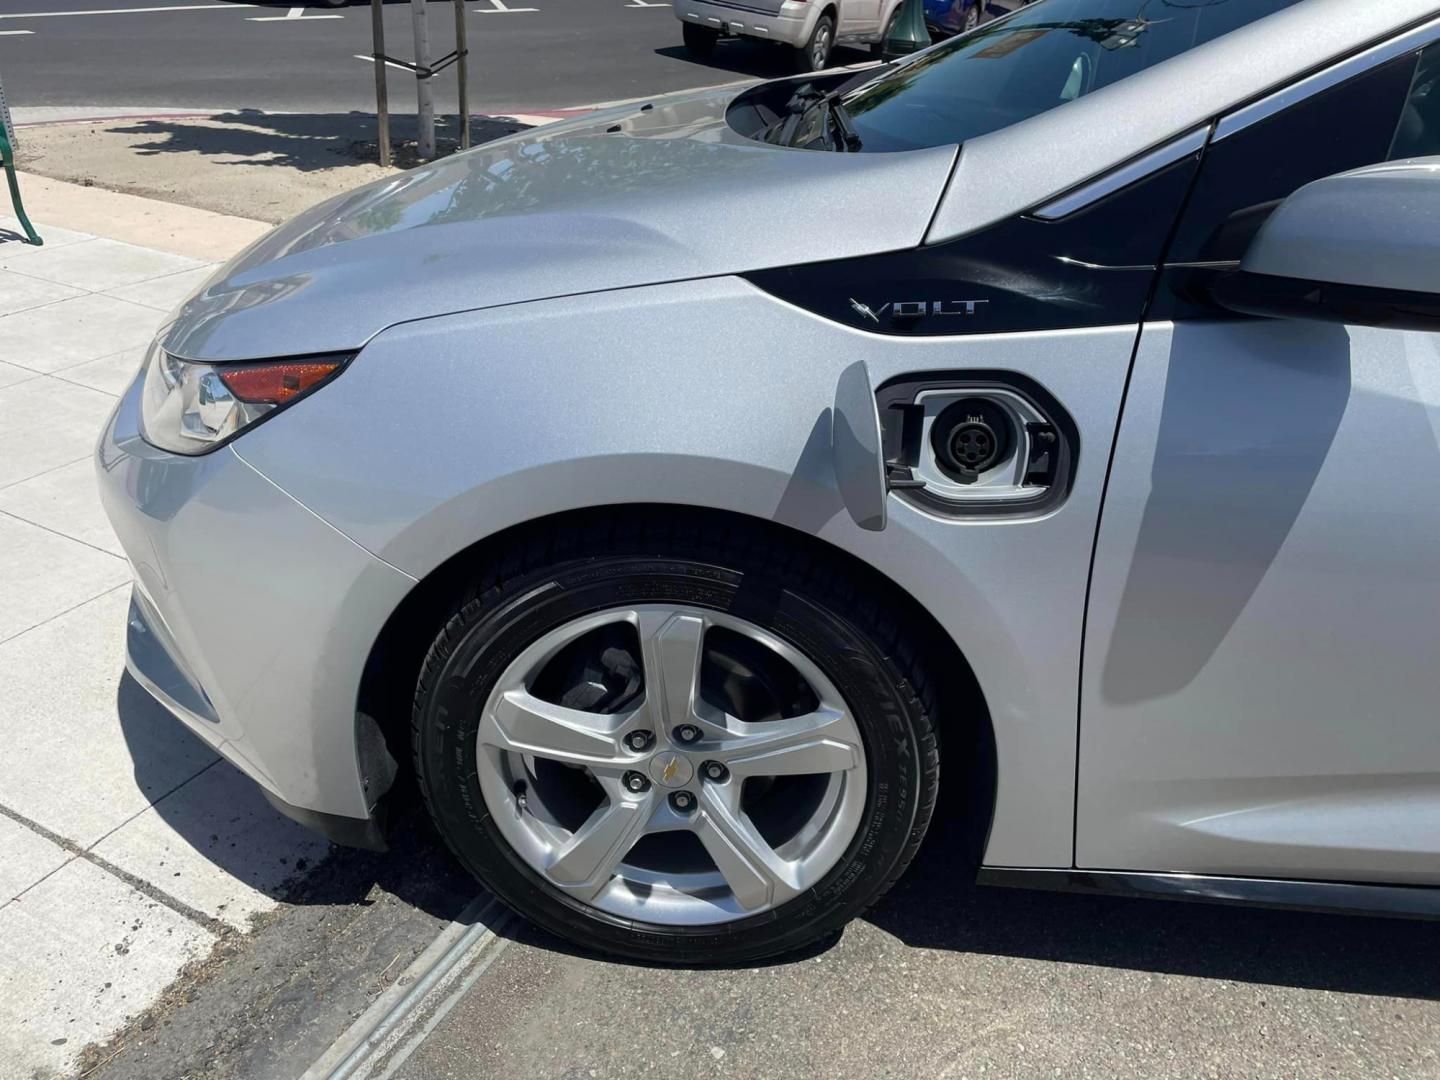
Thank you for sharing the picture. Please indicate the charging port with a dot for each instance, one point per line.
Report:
(975, 443)
(971, 437)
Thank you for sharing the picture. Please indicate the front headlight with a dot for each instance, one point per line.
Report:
(191, 408)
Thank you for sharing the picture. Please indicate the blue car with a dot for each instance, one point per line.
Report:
(946, 17)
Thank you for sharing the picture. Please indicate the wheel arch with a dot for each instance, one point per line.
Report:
(393, 665)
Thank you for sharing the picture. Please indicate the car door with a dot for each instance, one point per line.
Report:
(1261, 670)
(859, 18)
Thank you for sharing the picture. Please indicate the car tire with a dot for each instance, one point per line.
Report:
(817, 612)
(699, 40)
(972, 17)
(814, 55)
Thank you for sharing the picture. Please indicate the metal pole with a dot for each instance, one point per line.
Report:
(462, 58)
(7, 166)
(424, 99)
(382, 104)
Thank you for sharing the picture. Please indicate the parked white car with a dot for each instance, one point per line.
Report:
(811, 27)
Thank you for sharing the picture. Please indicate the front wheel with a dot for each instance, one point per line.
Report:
(698, 39)
(815, 53)
(675, 747)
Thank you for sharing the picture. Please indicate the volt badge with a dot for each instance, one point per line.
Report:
(910, 310)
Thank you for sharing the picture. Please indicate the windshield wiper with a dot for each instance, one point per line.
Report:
(783, 131)
(805, 100)
(840, 118)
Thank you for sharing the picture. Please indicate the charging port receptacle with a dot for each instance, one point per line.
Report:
(971, 437)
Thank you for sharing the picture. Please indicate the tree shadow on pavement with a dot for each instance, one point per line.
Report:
(302, 141)
(933, 907)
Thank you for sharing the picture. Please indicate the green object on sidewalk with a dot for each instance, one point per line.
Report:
(7, 162)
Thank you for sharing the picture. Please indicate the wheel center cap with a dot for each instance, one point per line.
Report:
(671, 770)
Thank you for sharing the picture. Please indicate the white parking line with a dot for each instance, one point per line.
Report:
(126, 11)
(12, 33)
(499, 8)
(644, 3)
(295, 14)
(371, 60)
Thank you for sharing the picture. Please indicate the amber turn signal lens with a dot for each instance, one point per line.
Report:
(276, 383)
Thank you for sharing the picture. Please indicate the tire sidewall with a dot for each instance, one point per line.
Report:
(807, 52)
(699, 40)
(492, 634)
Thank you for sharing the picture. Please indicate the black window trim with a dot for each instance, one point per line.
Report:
(1246, 116)
(1122, 176)
(1237, 120)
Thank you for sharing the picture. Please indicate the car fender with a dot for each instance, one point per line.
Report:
(710, 393)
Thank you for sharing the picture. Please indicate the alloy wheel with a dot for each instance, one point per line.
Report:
(820, 48)
(671, 764)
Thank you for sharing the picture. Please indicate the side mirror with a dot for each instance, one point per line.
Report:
(1362, 248)
(906, 32)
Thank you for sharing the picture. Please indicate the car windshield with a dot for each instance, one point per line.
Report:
(1042, 56)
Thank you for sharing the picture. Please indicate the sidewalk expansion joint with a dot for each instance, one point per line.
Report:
(61, 465)
(215, 926)
(64, 536)
(61, 614)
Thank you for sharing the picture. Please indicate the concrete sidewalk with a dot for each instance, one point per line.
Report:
(127, 848)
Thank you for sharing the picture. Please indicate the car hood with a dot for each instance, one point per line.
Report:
(636, 195)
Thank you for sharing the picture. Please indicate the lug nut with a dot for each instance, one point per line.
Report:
(713, 770)
(635, 782)
(682, 801)
(687, 733)
(639, 740)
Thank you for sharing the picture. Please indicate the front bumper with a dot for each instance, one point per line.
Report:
(251, 620)
(791, 25)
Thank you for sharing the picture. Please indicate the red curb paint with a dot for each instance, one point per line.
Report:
(117, 119)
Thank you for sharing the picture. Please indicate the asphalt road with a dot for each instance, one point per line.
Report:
(219, 54)
(941, 979)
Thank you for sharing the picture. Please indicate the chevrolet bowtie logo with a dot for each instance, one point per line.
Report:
(672, 767)
(864, 309)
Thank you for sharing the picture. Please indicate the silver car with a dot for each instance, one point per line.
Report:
(810, 27)
(679, 539)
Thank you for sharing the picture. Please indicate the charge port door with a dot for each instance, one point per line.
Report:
(976, 444)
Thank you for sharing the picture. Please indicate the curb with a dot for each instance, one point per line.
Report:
(117, 117)
(123, 116)
(132, 219)
(380, 1028)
